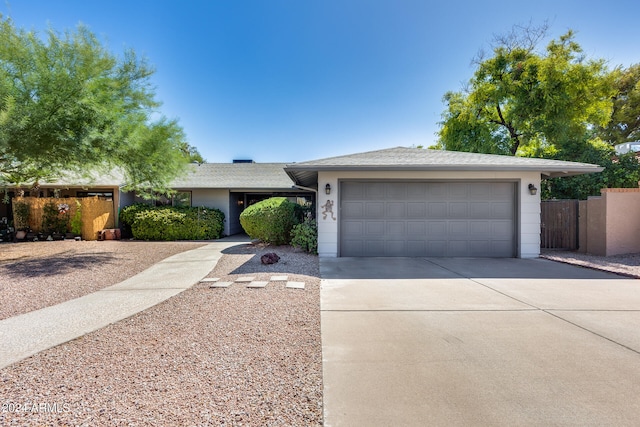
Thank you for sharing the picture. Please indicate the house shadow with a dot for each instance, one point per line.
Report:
(291, 261)
(59, 264)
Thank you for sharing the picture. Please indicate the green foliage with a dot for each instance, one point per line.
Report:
(21, 215)
(619, 172)
(53, 220)
(519, 99)
(173, 223)
(76, 221)
(305, 236)
(625, 119)
(68, 105)
(270, 220)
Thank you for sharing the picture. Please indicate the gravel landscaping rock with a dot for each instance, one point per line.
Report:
(626, 265)
(226, 357)
(34, 275)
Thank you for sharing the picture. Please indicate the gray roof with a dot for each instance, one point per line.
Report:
(417, 159)
(256, 176)
(238, 176)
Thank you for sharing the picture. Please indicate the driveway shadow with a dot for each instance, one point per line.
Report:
(291, 262)
(58, 264)
(449, 268)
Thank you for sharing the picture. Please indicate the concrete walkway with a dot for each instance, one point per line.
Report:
(27, 334)
(497, 342)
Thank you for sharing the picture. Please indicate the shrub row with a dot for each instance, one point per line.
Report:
(173, 223)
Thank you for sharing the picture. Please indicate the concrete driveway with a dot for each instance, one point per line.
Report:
(440, 341)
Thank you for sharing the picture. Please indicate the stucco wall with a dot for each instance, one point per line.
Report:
(611, 222)
(528, 215)
(623, 220)
(213, 198)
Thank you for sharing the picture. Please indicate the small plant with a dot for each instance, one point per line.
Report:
(76, 221)
(21, 215)
(305, 236)
(55, 218)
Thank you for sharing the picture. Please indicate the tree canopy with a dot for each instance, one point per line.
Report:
(625, 119)
(67, 105)
(520, 101)
(555, 103)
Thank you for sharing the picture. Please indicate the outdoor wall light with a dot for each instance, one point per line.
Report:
(533, 190)
(327, 188)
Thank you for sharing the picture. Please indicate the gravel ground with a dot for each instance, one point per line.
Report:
(34, 275)
(224, 357)
(627, 265)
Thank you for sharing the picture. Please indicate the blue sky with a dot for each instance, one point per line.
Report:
(296, 80)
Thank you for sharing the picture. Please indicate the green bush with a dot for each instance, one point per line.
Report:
(53, 219)
(305, 236)
(173, 223)
(270, 220)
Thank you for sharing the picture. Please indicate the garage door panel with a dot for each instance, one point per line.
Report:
(396, 191)
(352, 210)
(394, 247)
(458, 210)
(416, 191)
(417, 247)
(374, 210)
(416, 228)
(458, 228)
(437, 210)
(375, 191)
(422, 218)
(457, 191)
(416, 209)
(396, 228)
(352, 228)
(437, 229)
(396, 210)
(374, 248)
(353, 247)
(436, 248)
(480, 210)
(481, 228)
(501, 210)
(502, 230)
(375, 228)
(353, 191)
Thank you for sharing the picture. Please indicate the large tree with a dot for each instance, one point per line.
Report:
(625, 119)
(69, 106)
(521, 101)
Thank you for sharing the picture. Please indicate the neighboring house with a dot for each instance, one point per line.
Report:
(229, 187)
(417, 202)
(628, 147)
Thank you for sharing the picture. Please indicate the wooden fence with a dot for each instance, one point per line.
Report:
(97, 214)
(559, 224)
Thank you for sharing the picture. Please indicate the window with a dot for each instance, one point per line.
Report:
(182, 198)
(105, 195)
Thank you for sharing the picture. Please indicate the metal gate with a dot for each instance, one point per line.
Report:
(559, 224)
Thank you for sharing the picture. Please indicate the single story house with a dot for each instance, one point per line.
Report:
(418, 202)
(394, 202)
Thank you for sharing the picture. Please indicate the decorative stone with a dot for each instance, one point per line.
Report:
(257, 284)
(295, 285)
(269, 258)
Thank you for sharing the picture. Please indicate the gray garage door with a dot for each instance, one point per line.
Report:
(400, 218)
